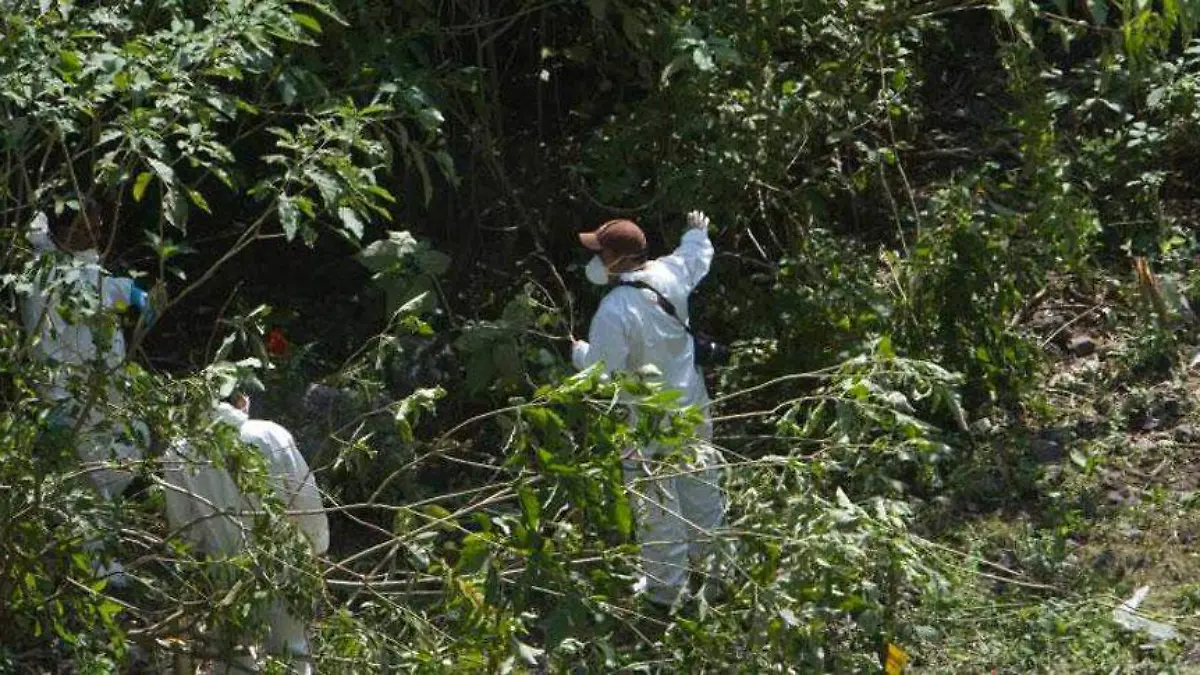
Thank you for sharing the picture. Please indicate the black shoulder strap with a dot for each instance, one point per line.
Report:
(663, 302)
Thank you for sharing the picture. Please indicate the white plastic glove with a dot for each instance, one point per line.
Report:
(579, 350)
(39, 234)
(696, 220)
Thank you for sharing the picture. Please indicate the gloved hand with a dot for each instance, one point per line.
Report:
(579, 349)
(141, 299)
(39, 234)
(696, 220)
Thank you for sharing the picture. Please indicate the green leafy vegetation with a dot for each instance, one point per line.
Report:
(955, 251)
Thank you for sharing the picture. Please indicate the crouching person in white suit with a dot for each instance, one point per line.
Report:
(205, 504)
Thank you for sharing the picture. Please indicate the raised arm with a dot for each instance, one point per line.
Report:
(694, 255)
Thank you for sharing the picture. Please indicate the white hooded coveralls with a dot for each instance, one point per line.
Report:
(57, 340)
(680, 506)
(198, 491)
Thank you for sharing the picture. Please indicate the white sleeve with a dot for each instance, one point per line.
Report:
(692, 259)
(607, 341)
(181, 506)
(116, 291)
(293, 480)
(303, 495)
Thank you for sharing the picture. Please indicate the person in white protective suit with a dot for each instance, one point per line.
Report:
(677, 507)
(90, 338)
(203, 502)
(76, 344)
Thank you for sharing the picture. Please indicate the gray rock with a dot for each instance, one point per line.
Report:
(1121, 496)
(1193, 655)
(1127, 617)
(1186, 433)
(982, 426)
(1081, 345)
(322, 399)
(1046, 450)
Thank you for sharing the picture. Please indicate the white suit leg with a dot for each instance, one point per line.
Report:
(99, 442)
(660, 530)
(196, 492)
(203, 502)
(702, 504)
(287, 636)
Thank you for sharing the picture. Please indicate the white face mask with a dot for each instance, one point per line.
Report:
(596, 272)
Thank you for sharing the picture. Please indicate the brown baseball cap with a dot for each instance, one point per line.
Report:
(622, 237)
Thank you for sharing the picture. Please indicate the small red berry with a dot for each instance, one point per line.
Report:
(277, 344)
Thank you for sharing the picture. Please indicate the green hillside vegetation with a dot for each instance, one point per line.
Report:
(955, 242)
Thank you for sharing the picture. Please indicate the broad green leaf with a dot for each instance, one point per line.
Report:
(223, 349)
(677, 64)
(445, 164)
(70, 61)
(307, 21)
(474, 554)
(289, 217)
(174, 208)
(225, 105)
(622, 516)
(325, 9)
(108, 610)
(351, 221)
(383, 254)
(326, 184)
(165, 173)
(381, 192)
(407, 412)
(530, 507)
(305, 205)
(198, 199)
(140, 184)
(437, 512)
